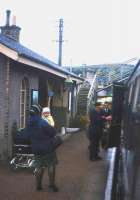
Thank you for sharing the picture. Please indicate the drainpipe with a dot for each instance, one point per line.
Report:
(6, 107)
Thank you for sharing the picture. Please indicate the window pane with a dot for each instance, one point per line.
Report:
(136, 95)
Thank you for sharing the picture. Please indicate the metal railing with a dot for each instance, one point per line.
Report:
(118, 76)
(91, 92)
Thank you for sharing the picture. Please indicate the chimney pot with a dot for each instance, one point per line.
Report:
(8, 12)
(14, 20)
(10, 31)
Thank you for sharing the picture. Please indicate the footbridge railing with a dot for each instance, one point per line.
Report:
(91, 93)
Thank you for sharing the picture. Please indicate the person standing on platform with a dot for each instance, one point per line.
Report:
(46, 115)
(107, 112)
(107, 109)
(41, 134)
(95, 131)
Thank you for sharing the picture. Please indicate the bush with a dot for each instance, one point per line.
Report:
(79, 121)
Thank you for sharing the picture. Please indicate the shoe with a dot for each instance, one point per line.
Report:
(39, 188)
(96, 158)
(91, 158)
(53, 188)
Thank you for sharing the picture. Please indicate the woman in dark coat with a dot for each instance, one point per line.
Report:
(41, 134)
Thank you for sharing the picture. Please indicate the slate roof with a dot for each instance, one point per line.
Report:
(28, 53)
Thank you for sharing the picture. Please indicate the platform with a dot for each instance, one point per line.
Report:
(77, 177)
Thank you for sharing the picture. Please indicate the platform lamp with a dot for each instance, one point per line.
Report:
(68, 83)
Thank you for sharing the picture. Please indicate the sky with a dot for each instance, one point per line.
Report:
(94, 32)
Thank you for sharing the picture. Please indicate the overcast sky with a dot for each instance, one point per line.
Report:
(95, 31)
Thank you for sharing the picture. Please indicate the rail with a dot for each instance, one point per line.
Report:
(91, 92)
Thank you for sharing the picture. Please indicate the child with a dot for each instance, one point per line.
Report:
(47, 116)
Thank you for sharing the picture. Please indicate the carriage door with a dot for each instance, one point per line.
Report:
(117, 110)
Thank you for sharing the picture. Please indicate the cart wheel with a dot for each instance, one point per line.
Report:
(12, 165)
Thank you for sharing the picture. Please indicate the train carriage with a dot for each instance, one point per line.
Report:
(125, 137)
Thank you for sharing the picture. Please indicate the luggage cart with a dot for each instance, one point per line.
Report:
(23, 157)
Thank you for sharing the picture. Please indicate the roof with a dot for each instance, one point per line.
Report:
(31, 55)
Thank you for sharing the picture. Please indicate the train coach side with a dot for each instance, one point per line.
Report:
(130, 139)
(124, 182)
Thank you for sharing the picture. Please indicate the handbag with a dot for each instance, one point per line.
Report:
(56, 142)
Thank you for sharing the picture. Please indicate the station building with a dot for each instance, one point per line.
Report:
(28, 78)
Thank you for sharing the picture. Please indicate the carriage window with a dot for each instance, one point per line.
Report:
(24, 101)
(138, 100)
(136, 103)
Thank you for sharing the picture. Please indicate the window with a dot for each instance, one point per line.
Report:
(136, 103)
(24, 101)
(34, 97)
(130, 94)
(69, 101)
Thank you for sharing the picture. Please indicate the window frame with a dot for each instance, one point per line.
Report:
(24, 101)
(136, 94)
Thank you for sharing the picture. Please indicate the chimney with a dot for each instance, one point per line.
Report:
(12, 31)
(8, 12)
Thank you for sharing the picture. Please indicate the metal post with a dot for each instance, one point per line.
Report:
(60, 41)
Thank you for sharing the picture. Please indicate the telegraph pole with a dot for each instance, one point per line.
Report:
(60, 41)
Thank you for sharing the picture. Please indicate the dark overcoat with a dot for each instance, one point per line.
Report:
(96, 124)
(40, 134)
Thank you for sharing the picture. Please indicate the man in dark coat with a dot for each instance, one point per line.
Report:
(40, 134)
(107, 109)
(95, 131)
(107, 112)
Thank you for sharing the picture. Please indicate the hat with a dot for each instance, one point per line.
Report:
(46, 109)
(35, 109)
(97, 104)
